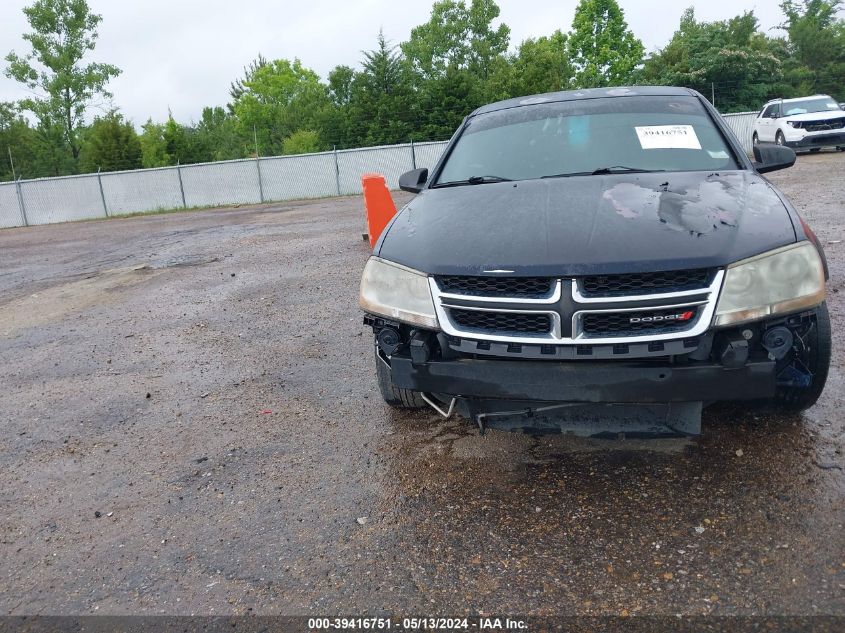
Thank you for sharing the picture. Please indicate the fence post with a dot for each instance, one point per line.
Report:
(413, 156)
(336, 171)
(102, 193)
(181, 186)
(260, 183)
(21, 205)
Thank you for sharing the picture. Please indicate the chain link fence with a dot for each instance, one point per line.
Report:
(742, 124)
(249, 181)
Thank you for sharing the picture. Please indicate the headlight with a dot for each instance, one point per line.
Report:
(397, 292)
(783, 280)
(795, 124)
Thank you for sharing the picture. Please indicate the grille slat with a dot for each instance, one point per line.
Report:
(619, 323)
(502, 322)
(819, 126)
(521, 287)
(645, 283)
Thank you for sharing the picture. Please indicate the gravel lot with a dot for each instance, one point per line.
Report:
(190, 424)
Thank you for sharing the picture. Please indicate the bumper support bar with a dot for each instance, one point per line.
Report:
(609, 382)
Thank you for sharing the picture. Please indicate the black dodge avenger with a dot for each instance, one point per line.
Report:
(601, 261)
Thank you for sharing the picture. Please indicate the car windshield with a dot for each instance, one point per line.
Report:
(825, 104)
(604, 135)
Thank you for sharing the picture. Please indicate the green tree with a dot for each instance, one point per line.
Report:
(334, 122)
(18, 140)
(731, 58)
(217, 133)
(457, 37)
(302, 142)
(111, 144)
(381, 96)
(603, 49)
(452, 56)
(153, 145)
(54, 157)
(340, 85)
(280, 98)
(539, 65)
(444, 102)
(183, 145)
(237, 87)
(63, 33)
(817, 46)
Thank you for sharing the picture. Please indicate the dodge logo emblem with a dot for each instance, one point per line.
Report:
(659, 318)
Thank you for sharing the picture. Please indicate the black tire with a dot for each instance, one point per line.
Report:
(815, 150)
(779, 138)
(393, 395)
(818, 342)
(755, 140)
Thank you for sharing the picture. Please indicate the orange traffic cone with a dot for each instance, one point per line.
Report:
(378, 205)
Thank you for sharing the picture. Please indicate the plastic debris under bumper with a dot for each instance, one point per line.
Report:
(599, 420)
(614, 382)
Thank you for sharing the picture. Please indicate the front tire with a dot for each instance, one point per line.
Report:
(817, 342)
(755, 140)
(393, 395)
(779, 138)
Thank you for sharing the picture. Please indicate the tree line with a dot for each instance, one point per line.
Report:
(417, 90)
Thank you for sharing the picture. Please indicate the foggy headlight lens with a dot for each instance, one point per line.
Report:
(784, 280)
(397, 292)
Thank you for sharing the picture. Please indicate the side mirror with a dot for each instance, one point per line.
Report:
(413, 181)
(772, 157)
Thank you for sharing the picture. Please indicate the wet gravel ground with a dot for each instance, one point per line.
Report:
(190, 424)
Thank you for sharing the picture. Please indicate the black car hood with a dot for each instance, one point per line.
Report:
(590, 224)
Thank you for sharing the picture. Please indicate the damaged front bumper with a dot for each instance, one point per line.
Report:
(603, 400)
(586, 382)
(587, 399)
(634, 393)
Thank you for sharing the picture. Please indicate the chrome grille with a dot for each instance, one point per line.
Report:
(591, 310)
(496, 286)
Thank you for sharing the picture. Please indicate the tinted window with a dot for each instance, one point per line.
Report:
(768, 112)
(653, 133)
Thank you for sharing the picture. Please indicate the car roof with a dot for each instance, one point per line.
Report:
(794, 99)
(586, 93)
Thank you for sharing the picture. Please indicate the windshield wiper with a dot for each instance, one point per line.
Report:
(615, 169)
(473, 180)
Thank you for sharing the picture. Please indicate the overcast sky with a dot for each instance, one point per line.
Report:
(182, 54)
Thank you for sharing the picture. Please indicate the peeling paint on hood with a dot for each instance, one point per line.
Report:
(698, 210)
(590, 224)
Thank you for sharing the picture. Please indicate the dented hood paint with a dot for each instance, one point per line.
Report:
(590, 224)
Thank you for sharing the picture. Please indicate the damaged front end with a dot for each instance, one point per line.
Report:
(595, 394)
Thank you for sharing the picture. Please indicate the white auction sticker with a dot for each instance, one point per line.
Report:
(667, 137)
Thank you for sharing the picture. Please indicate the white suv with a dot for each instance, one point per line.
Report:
(806, 123)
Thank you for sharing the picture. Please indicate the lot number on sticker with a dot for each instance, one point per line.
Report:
(667, 137)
